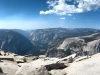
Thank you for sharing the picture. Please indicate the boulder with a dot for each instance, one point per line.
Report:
(58, 72)
(42, 56)
(35, 57)
(90, 66)
(7, 58)
(68, 59)
(29, 69)
(81, 58)
(1, 71)
(2, 53)
(20, 59)
(8, 68)
(47, 65)
(41, 71)
(55, 66)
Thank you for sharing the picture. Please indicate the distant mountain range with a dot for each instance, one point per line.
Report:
(12, 41)
(45, 38)
(51, 41)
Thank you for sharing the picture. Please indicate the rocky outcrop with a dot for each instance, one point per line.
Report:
(57, 65)
(1, 71)
(9, 68)
(92, 47)
(11, 41)
(41, 67)
(58, 72)
(20, 59)
(90, 66)
(30, 70)
(6, 58)
(79, 66)
(69, 46)
(78, 45)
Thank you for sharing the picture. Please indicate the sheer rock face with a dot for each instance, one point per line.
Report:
(15, 42)
(78, 45)
(66, 48)
(92, 47)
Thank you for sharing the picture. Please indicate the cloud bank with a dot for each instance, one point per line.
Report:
(62, 7)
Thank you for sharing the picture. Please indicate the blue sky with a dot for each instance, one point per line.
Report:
(38, 14)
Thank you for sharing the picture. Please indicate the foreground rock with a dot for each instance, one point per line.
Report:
(1, 71)
(58, 72)
(30, 70)
(70, 65)
(33, 67)
(20, 59)
(8, 68)
(81, 65)
(90, 66)
(6, 58)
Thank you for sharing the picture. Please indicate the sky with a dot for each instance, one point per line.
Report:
(39, 14)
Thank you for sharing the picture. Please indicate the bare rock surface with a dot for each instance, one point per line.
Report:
(92, 47)
(29, 69)
(90, 66)
(20, 59)
(9, 68)
(70, 65)
(58, 72)
(36, 65)
(78, 45)
(7, 58)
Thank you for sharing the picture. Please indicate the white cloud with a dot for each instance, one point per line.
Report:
(60, 7)
(62, 18)
(69, 14)
(47, 12)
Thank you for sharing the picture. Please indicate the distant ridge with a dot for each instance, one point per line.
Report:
(15, 42)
